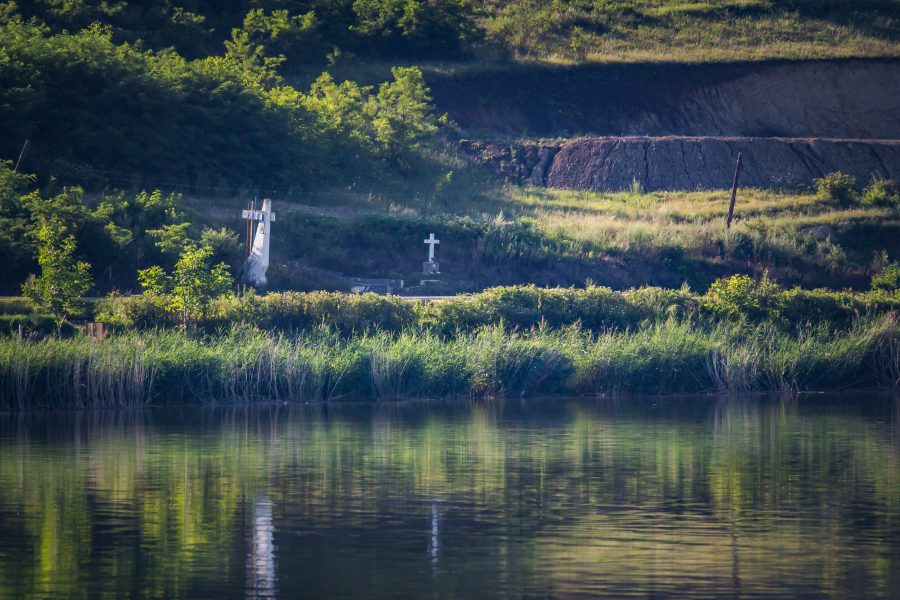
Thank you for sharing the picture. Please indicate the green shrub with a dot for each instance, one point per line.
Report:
(837, 187)
(595, 309)
(820, 305)
(138, 312)
(744, 298)
(888, 278)
(882, 192)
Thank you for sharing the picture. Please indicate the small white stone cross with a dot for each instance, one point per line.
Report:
(431, 242)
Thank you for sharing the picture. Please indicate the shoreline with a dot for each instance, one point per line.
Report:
(835, 395)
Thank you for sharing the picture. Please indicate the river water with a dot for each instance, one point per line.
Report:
(700, 497)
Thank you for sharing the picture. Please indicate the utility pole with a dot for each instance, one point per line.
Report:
(734, 187)
(25, 147)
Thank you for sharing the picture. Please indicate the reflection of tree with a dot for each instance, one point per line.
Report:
(610, 490)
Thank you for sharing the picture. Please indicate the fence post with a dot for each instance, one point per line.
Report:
(734, 187)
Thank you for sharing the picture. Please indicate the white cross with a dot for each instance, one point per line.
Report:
(431, 242)
(257, 215)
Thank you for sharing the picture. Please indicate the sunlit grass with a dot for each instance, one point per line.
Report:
(713, 31)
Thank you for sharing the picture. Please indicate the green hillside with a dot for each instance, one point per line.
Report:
(193, 100)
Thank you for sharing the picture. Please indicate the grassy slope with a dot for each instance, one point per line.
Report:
(704, 31)
(620, 240)
(555, 237)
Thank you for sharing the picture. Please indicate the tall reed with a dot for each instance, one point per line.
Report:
(244, 364)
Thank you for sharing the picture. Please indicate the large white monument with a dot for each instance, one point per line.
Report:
(258, 258)
(431, 267)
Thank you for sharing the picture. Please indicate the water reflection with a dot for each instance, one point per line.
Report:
(434, 542)
(707, 498)
(261, 558)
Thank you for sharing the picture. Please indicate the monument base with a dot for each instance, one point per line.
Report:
(431, 268)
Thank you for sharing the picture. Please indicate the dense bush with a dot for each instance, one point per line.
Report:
(98, 112)
(744, 298)
(837, 187)
(302, 30)
(888, 278)
(882, 192)
(737, 299)
(117, 233)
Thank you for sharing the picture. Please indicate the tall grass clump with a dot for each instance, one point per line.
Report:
(664, 357)
(766, 358)
(246, 364)
(74, 373)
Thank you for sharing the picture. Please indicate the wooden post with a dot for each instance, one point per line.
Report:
(21, 332)
(734, 187)
(22, 154)
(248, 241)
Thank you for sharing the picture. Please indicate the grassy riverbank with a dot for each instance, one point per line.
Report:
(136, 369)
(740, 336)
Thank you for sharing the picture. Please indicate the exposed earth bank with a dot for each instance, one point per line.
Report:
(679, 127)
(833, 99)
(683, 163)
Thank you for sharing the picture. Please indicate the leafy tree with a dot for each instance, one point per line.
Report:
(155, 281)
(341, 108)
(225, 245)
(280, 33)
(193, 284)
(402, 114)
(64, 281)
(418, 27)
(172, 239)
(15, 245)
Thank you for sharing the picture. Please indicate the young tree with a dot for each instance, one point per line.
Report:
(402, 113)
(193, 284)
(64, 281)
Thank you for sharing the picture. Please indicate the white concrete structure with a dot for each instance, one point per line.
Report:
(258, 261)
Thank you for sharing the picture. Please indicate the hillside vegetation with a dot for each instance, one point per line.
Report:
(690, 31)
(193, 96)
(312, 31)
(151, 124)
(558, 237)
(100, 113)
(835, 238)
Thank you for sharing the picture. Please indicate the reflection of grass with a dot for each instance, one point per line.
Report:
(595, 489)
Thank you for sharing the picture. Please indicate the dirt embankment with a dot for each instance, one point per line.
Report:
(837, 99)
(684, 163)
(680, 126)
